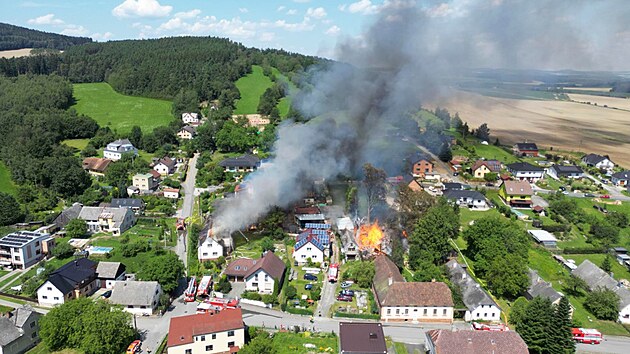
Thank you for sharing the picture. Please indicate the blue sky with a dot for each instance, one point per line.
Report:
(306, 26)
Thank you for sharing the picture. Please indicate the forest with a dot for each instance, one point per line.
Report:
(15, 37)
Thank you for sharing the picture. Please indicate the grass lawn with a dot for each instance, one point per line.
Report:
(292, 343)
(251, 88)
(6, 184)
(8, 280)
(285, 103)
(400, 348)
(42, 349)
(5, 309)
(466, 215)
(3, 272)
(120, 112)
(491, 152)
(79, 144)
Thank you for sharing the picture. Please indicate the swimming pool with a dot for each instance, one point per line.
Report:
(99, 249)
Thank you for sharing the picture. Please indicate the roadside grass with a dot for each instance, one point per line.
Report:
(251, 87)
(5, 309)
(293, 343)
(400, 348)
(119, 112)
(6, 184)
(41, 348)
(9, 280)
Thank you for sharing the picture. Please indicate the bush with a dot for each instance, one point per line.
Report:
(63, 250)
(293, 310)
(583, 250)
(603, 303)
(366, 316)
(251, 295)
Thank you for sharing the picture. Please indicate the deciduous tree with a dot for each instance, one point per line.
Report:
(430, 238)
(77, 228)
(603, 303)
(166, 270)
(10, 211)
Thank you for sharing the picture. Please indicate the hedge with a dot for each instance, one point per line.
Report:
(367, 316)
(295, 311)
(583, 250)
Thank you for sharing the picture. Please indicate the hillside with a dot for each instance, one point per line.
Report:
(15, 37)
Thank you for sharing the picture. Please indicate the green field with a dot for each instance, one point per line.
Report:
(6, 184)
(288, 342)
(112, 109)
(251, 88)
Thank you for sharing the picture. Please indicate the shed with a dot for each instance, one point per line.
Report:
(544, 238)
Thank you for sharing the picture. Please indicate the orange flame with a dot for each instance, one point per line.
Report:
(370, 236)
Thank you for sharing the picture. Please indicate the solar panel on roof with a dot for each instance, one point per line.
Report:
(319, 232)
(324, 239)
(309, 225)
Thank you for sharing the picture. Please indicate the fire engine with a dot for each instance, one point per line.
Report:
(189, 294)
(587, 335)
(204, 285)
(222, 303)
(490, 327)
(333, 272)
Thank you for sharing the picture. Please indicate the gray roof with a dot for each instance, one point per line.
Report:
(524, 166)
(189, 129)
(622, 175)
(11, 327)
(126, 202)
(93, 213)
(241, 161)
(539, 287)
(596, 277)
(68, 215)
(109, 270)
(561, 170)
(526, 146)
(456, 194)
(119, 144)
(137, 293)
(455, 186)
(472, 293)
(593, 159)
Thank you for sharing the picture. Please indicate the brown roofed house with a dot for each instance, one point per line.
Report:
(442, 341)
(260, 274)
(96, 166)
(421, 167)
(361, 338)
(222, 332)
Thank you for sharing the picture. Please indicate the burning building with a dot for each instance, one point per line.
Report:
(372, 239)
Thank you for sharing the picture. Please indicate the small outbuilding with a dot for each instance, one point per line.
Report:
(544, 238)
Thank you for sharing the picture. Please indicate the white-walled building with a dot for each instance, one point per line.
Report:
(308, 247)
(598, 161)
(116, 149)
(571, 172)
(209, 249)
(466, 198)
(171, 193)
(187, 133)
(108, 273)
(137, 297)
(165, 166)
(23, 249)
(188, 117)
(480, 306)
(104, 219)
(222, 332)
(74, 279)
(259, 275)
(526, 172)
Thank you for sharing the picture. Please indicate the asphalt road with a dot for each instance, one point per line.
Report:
(328, 294)
(189, 188)
(154, 328)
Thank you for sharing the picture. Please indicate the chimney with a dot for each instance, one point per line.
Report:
(390, 281)
(373, 336)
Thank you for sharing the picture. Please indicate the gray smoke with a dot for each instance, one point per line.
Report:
(410, 54)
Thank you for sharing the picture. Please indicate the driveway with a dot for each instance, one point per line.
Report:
(327, 297)
(238, 288)
(154, 328)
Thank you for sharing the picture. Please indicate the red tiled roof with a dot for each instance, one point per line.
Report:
(155, 174)
(307, 210)
(477, 342)
(182, 329)
(96, 164)
(174, 190)
(418, 294)
(240, 267)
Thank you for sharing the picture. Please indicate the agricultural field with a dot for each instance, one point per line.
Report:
(614, 102)
(251, 88)
(15, 53)
(559, 124)
(6, 184)
(112, 109)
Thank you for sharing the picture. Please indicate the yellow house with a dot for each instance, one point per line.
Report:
(517, 194)
(480, 168)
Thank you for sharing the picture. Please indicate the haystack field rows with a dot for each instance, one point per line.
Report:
(614, 102)
(15, 53)
(595, 89)
(562, 125)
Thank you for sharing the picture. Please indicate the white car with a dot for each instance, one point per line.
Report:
(346, 284)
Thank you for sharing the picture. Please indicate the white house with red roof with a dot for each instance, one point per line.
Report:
(222, 332)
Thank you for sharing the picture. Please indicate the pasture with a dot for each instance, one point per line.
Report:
(251, 87)
(6, 184)
(119, 112)
(563, 125)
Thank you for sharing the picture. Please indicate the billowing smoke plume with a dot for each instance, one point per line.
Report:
(407, 55)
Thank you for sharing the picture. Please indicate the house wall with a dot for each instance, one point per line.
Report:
(209, 251)
(260, 282)
(424, 314)
(306, 251)
(144, 183)
(530, 176)
(484, 313)
(113, 155)
(27, 340)
(624, 315)
(162, 169)
(422, 167)
(48, 295)
(171, 195)
(143, 309)
(481, 171)
(619, 182)
(219, 344)
(182, 134)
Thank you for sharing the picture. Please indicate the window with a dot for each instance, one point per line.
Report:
(203, 338)
(230, 344)
(32, 324)
(49, 288)
(143, 307)
(230, 333)
(398, 311)
(33, 335)
(434, 312)
(214, 336)
(444, 312)
(205, 253)
(209, 348)
(188, 351)
(56, 298)
(389, 311)
(17, 258)
(237, 268)
(406, 311)
(485, 314)
(44, 297)
(308, 248)
(425, 312)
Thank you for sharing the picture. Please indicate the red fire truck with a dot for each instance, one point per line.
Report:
(490, 327)
(189, 294)
(222, 303)
(204, 285)
(333, 272)
(587, 335)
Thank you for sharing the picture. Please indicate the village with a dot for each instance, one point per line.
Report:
(319, 261)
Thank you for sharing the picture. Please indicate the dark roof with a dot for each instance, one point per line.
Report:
(241, 161)
(622, 175)
(524, 166)
(170, 163)
(593, 159)
(240, 267)
(126, 202)
(271, 264)
(68, 215)
(182, 329)
(565, 170)
(73, 274)
(456, 194)
(361, 338)
(472, 293)
(539, 287)
(189, 129)
(454, 186)
(526, 146)
(476, 342)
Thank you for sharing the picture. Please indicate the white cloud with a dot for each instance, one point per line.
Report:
(333, 30)
(316, 13)
(364, 7)
(243, 10)
(75, 30)
(292, 12)
(172, 24)
(280, 8)
(303, 26)
(102, 36)
(234, 27)
(302, 1)
(46, 20)
(141, 8)
(267, 36)
(188, 14)
(454, 9)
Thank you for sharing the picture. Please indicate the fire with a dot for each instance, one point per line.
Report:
(370, 236)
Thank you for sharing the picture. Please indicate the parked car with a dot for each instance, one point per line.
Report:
(606, 196)
(562, 188)
(344, 298)
(134, 347)
(456, 174)
(308, 286)
(309, 276)
(589, 195)
(346, 284)
(346, 292)
(107, 294)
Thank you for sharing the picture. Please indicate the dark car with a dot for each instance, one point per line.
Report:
(589, 195)
(344, 298)
(346, 292)
(308, 276)
(562, 188)
(107, 294)
(308, 286)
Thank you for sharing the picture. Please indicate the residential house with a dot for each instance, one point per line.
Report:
(222, 332)
(171, 193)
(397, 300)
(187, 133)
(19, 330)
(73, 280)
(526, 172)
(598, 161)
(443, 341)
(361, 338)
(132, 190)
(209, 248)
(516, 194)
(479, 305)
(245, 163)
(544, 238)
(137, 297)
(68, 215)
(539, 287)
(165, 166)
(116, 149)
(238, 269)
(525, 149)
(412, 183)
(571, 171)
(312, 243)
(596, 278)
(108, 273)
(265, 273)
(189, 117)
(107, 219)
(144, 182)
(96, 166)
(22, 249)
(465, 198)
(482, 167)
(421, 167)
(620, 179)
(454, 186)
(135, 204)
(308, 215)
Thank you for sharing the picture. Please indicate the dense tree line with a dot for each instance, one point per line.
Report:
(269, 100)
(15, 37)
